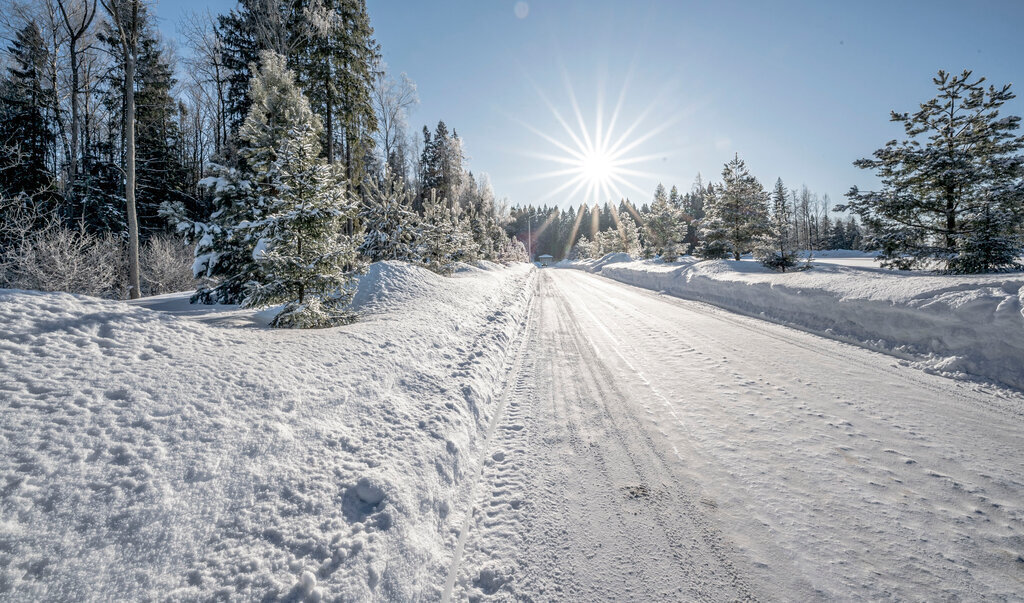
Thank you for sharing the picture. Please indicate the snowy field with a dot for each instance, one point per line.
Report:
(159, 450)
(970, 325)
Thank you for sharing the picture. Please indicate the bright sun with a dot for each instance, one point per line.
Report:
(596, 167)
(598, 160)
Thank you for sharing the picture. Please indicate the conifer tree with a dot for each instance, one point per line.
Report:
(776, 246)
(390, 224)
(735, 215)
(307, 260)
(440, 237)
(27, 137)
(953, 191)
(664, 226)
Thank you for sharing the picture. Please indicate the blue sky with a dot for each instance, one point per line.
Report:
(798, 89)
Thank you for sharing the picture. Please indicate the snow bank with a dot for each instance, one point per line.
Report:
(950, 324)
(160, 450)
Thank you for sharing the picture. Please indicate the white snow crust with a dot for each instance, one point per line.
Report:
(161, 450)
(970, 325)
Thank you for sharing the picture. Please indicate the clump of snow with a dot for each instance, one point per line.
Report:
(158, 449)
(954, 324)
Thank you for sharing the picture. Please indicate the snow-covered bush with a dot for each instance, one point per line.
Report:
(58, 258)
(166, 265)
(584, 249)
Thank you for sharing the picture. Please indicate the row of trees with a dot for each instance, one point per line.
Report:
(952, 198)
(711, 220)
(97, 133)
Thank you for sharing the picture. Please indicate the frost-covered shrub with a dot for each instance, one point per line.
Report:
(58, 258)
(166, 265)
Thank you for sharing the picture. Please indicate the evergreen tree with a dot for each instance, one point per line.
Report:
(664, 226)
(956, 198)
(440, 238)
(776, 246)
(224, 251)
(27, 138)
(736, 216)
(306, 258)
(390, 223)
(693, 212)
(162, 175)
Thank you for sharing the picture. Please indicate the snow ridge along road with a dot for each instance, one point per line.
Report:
(515, 369)
(654, 448)
(166, 451)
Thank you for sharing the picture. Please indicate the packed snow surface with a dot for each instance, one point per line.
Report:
(967, 325)
(659, 449)
(161, 450)
(506, 434)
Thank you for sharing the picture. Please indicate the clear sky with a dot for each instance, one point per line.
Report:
(798, 89)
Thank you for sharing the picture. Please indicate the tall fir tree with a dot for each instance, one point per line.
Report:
(27, 137)
(307, 259)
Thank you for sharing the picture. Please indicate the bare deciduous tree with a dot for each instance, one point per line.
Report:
(126, 17)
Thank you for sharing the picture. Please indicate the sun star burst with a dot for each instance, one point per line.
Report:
(599, 162)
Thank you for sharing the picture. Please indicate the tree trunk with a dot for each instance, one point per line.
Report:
(330, 125)
(129, 188)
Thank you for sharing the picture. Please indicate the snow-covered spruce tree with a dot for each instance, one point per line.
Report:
(390, 224)
(511, 251)
(776, 247)
(439, 236)
(953, 192)
(665, 227)
(308, 260)
(223, 252)
(735, 214)
(584, 249)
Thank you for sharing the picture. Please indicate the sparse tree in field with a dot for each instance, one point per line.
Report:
(952, 192)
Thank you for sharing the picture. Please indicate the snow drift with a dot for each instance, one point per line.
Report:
(970, 324)
(159, 450)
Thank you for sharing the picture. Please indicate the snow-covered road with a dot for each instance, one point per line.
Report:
(652, 448)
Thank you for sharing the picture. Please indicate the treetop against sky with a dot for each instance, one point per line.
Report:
(602, 99)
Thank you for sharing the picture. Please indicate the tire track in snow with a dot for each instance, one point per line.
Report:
(515, 372)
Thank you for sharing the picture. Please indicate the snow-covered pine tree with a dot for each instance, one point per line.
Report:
(391, 226)
(735, 215)
(776, 246)
(584, 249)
(511, 251)
(439, 236)
(307, 258)
(223, 252)
(664, 227)
(956, 198)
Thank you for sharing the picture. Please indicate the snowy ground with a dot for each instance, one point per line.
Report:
(662, 449)
(162, 450)
(506, 434)
(970, 325)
